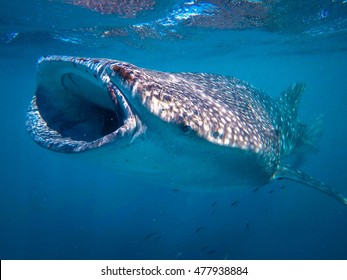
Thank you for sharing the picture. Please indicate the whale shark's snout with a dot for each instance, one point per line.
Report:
(77, 107)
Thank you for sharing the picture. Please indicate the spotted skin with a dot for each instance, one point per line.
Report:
(219, 110)
(223, 110)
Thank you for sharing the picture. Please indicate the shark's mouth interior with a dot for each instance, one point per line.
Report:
(78, 108)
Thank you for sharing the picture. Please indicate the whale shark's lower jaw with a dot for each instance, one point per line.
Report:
(76, 107)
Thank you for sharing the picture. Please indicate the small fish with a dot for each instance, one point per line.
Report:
(211, 252)
(178, 255)
(283, 187)
(255, 189)
(198, 229)
(271, 191)
(247, 225)
(11, 37)
(175, 190)
(150, 235)
(204, 248)
(235, 203)
(214, 203)
(213, 212)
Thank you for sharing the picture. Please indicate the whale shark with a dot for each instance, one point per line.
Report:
(194, 130)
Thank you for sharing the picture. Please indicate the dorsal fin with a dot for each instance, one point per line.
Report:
(288, 172)
(290, 98)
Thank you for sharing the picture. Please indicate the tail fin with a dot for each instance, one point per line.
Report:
(288, 172)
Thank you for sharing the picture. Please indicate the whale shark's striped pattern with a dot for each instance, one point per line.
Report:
(82, 104)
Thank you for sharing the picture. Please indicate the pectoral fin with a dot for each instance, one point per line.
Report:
(288, 172)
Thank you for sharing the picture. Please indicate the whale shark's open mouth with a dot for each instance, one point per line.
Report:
(76, 107)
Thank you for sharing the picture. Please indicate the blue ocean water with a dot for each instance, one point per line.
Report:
(56, 206)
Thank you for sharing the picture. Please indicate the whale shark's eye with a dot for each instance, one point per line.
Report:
(186, 129)
(78, 108)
